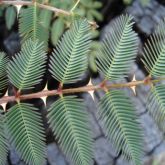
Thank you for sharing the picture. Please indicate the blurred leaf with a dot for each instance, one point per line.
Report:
(10, 16)
(97, 5)
(1, 10)
(97, 15)
(45, 18)
(95, 33)
(89, 16)
(87, 3)
(80, 11)
(62, 4)
(57, 30)
(92, 63)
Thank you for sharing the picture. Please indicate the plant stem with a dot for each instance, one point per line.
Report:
(44, 6)
(78, 1)
(28, 3)
(87, 88)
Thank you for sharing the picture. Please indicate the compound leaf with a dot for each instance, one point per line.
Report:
(69, 122)
(69, 61)
(25, 129)
(118, 50)
(3, 71)
(28, 67)
(154, 52)
(3, 141)
(156, 105)
(31, 25)
(120, 123)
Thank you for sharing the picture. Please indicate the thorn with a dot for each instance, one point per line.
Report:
(91, 92)
(4, 104)
(18, 7)
(44, 98)
(133, 87)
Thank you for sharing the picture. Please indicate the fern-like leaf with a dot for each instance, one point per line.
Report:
(69, 122)
(25, 129)
(28, 67)
(3, 141)
(154, 52)
(31, 25)
(156, 105)
(120, 122)
(69, 60)
(3, 72)
(118, 50)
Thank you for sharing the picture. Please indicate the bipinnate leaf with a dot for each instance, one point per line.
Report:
(25, 130)
(31, 27)
(154, 52)
(156, 105)
(28, 67)
(70, 124)
(69, 61)
(3, 141)
(120, 124)
(119, 49)
(3, 71)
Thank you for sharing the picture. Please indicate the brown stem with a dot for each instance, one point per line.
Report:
(76, 90)
(44, 6)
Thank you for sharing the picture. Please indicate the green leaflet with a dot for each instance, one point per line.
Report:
(119, 49)
(28, 67)
(154, 52)
(69, 61)
(57, 30)
(45, 17)
(30, 25)
(156, 105)
(3, 72)
(3, 141)
(120, 123)
(69, 122)
(25, 129)
(10, 16)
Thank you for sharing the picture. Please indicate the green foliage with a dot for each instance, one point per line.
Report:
(156, 105)
(57, 30)
(70, 123)
(154, 55)
(69, 60)
(121, 124)
(28, 67)
(3, 141)
(31, 27)
(67, 116)
(10, 16)
(25, 129)
(86, 8)
(45, 18)
(118, 50)
(3, 71)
